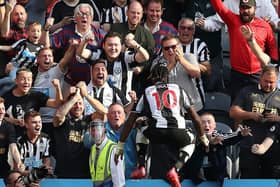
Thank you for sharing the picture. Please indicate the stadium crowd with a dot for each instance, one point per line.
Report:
(117, 89)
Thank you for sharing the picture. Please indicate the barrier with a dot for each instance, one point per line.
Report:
(161, 183)
(253, 183)
(129, 183)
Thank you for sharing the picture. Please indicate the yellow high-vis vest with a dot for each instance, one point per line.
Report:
(102, 172)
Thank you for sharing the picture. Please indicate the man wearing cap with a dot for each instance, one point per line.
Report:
(245, 67)
(103, 169)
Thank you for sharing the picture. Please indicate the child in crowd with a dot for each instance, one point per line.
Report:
(26, 55)
(210, 164)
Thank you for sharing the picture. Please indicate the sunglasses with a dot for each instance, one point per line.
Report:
(190, 28)
(166, 48)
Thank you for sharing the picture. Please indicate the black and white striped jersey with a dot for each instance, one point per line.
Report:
(32, 154)
(164, 103)
(119, 72)
(200, 50)
(115, 14)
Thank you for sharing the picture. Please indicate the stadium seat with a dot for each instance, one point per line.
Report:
(218, 104)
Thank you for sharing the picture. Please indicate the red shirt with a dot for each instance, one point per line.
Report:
(242, 58)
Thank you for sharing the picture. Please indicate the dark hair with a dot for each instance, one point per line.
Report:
(270, 70)
(111, 34)
(159, 74)
(168, 37)
(147, 3)
(31, 114)
(98, 61)
(7, 179)
(22, 70)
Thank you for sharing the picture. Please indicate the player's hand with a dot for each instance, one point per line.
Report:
(119, 152)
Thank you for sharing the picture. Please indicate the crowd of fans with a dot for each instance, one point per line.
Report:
(96, 88)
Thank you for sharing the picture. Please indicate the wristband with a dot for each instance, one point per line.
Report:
(3, 4)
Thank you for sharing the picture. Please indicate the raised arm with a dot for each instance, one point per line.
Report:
(142, 54)
(2, 11)
(128, 125)
(68, 55)
(81, 49)
(96, 104)
(5, 27)
(191, 69)
(63, 110)
(45, 38)
(256, 49)
(54, 103)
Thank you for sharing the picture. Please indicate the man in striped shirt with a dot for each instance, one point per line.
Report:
(34, 145)
(190, 44)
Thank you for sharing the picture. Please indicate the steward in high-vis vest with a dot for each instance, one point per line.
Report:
(103, 169)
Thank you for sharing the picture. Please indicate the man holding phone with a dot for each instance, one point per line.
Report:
(257, 107)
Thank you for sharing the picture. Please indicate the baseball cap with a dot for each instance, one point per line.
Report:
(248, 3)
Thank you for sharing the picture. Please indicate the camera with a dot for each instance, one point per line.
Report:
(35, 174)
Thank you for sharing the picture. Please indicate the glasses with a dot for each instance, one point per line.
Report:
(87, 14)
(190, 28)
(166, 48)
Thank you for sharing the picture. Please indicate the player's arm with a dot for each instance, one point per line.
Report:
(128, 124)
